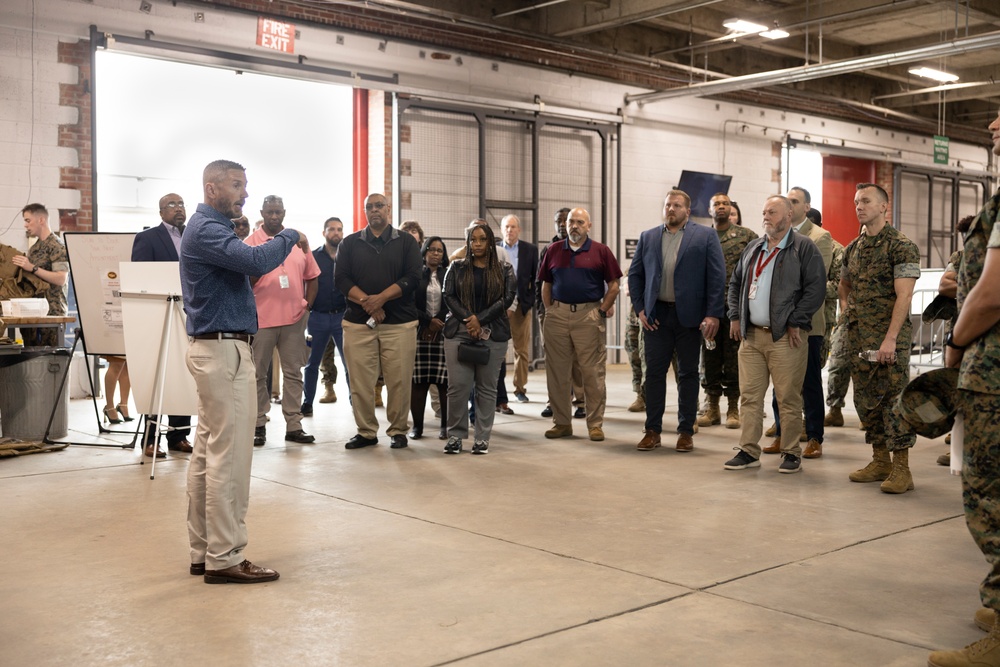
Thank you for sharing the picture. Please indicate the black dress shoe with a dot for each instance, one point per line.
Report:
(580, 413)
(359, 441)
(300, 436)
(197, 569)
(547, 412)
(244, 573)
(443, 434)
(259, 436)
(307, 410)
(504, 409)
(398, 442)
(416, 433)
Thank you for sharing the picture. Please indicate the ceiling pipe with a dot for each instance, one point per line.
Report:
(539, 5)
(809, 72)
(935, 89)
(635, 18)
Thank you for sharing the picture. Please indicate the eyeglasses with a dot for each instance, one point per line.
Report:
(437, 251)
(375, 206)
(174, 204)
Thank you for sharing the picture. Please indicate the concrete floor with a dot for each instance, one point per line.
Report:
(563, 552)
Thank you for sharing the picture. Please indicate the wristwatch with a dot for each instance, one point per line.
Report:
(603, 313)
(951, 343)
(35, 269)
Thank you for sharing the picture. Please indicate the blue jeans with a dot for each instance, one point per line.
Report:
(812, 393)
(668, 339)
(322, 326)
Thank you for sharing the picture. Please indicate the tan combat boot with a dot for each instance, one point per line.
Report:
(639, 404)
(733, 413)
(983, 653)
(877, 470)
(712, 416)
(329, 395)
(900, 480)
(834, 418)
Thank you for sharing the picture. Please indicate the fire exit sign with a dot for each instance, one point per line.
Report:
(275, 35)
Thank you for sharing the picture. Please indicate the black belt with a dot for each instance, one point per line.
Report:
(573, 307)
(224, 335)
(330, 312)
(668, 304)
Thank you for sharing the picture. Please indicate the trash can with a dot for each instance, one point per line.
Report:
(31, 383)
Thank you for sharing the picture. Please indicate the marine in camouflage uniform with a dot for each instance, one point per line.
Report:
(976, 352)
(835, 345)
(47, 255)
(721, 373)
(633, 335)
(873, 263)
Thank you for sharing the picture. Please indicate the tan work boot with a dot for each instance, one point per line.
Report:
(771, 431)
(733, 413)
(983, 653)
(711, 416)
(877, 470)
(638, 405)
(944, 459)
(900, 480)
(986, 618)
(329, 395)
(834, 418)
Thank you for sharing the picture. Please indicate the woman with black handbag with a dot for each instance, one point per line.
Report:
(429, 367)
(478, 290)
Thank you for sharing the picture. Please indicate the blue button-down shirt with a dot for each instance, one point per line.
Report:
(215, 270)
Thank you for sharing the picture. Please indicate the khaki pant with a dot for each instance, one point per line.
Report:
(218, 480)
(575, 336)
(389, 349)
(290, 343)
(763, 360)
(520, 336)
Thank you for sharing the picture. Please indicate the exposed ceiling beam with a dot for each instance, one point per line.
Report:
(809, 72)
(638, 17)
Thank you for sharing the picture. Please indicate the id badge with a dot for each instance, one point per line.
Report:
(283, 281)
(752, 294)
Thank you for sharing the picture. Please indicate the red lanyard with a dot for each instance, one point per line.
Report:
(763, 265)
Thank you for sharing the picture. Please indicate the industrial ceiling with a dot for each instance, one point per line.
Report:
(849, 59)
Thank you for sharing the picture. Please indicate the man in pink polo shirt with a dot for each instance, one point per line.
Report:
(283, 299)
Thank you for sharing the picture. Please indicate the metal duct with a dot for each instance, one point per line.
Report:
(809, 72)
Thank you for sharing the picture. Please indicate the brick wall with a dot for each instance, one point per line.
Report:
(77, 136)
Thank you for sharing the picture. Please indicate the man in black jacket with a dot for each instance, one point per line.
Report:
(162, 244)
(378, 269)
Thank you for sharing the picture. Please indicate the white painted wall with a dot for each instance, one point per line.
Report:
(659, 141)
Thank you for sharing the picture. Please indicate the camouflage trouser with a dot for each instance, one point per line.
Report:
(824, 352)
(721, 366)
(980, 490)
(327, 366)
(876, 388)
(839, 369)
(633, 343)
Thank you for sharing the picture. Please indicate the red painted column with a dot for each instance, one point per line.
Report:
(360, 156)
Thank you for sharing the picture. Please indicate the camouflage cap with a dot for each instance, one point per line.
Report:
(928, 403)
(941, 308)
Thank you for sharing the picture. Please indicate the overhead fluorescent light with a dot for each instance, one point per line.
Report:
(746, 27)
(774, 33)
(935, 74)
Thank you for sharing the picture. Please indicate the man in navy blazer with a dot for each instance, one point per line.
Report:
(524, 259)
(162, 244)
(676, 282)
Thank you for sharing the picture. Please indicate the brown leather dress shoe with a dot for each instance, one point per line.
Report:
(244, 573)
(813, 450)
(649, 442)
(150, 448)
(182, 446)
(197, 569)
(774, 447)
(685, 443)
